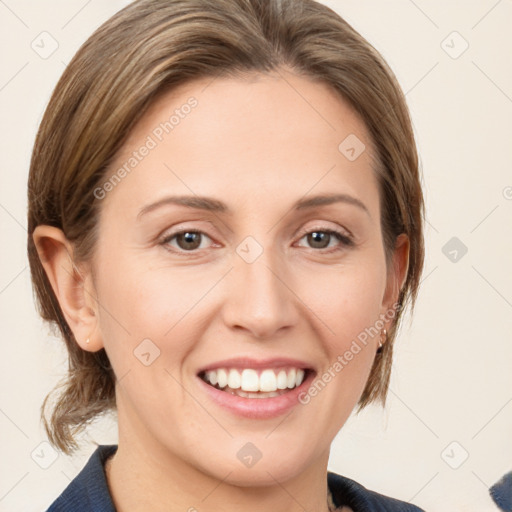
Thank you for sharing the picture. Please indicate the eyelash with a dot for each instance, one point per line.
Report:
(345, 239)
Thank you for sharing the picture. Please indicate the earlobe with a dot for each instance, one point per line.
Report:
(72, 287)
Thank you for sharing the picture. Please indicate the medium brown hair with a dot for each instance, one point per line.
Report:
(151, 47)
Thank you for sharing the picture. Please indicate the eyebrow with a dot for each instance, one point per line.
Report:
(214, 205)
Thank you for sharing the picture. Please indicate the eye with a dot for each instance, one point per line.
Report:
(190, 240)
(320, 238)
(187, 241)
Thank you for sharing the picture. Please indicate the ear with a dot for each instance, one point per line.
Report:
(73, 287)
(397, 273)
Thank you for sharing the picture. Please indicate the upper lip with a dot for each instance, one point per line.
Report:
(248, 362)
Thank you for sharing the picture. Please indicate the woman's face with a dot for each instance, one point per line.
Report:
(259, 290)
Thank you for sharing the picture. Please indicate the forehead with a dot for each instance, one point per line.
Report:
(277, 136)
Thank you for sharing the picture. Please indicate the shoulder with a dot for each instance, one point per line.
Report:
(89, 489)
(501, 492)
(350, 493)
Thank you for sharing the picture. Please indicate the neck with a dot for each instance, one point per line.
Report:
(142, 476)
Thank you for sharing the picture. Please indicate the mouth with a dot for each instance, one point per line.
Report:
(257, 389)
(256, 383)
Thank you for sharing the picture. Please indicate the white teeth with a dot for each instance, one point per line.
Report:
(255, 395)
(291, 378)
(282, 380)
(268, 381)
(212, 377)
(234, 379)
(248, 383)
(222, 378)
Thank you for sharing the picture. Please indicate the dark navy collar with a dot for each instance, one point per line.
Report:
(501, 492)
(352, 494)
(88, 492)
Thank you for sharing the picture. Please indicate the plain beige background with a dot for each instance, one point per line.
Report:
(445, 435)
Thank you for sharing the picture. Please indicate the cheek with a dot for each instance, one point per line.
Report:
(141, 300)
(347, 301)
(348, 304)
(137, 303)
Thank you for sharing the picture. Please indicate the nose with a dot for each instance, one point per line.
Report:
(259, 297)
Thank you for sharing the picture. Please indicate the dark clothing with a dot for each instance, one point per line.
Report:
(501, 493)
(88, 492)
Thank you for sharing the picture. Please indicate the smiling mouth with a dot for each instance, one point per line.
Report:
(252, 383)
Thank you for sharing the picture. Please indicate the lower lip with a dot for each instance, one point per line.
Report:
(257, 408)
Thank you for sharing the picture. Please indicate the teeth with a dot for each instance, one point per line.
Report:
(291, 378)
(255, 395)
(222, 378)
(212, 377)
(234, 379)
(282, 380)
(268, 381)
(249, 381)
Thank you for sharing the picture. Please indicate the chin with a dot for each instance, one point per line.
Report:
(262, 475)
(249, 467)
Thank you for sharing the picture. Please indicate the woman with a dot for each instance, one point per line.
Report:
(225, 221)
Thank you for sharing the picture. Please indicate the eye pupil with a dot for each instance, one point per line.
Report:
(316, 237)
(190, 241)
(189, 238)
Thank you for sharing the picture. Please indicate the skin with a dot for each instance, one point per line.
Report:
(258, 145)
